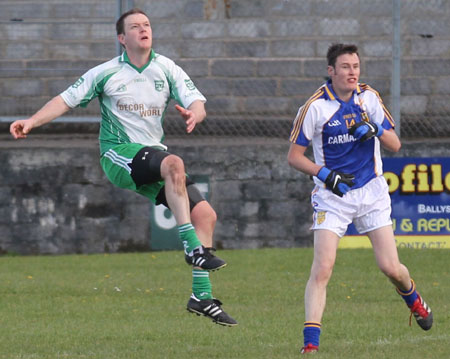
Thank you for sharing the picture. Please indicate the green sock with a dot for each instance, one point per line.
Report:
(201, 286)
(188, 237)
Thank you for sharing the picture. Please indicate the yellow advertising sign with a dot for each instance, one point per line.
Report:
(413, 242)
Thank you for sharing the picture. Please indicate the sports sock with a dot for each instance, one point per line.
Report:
(311, 333)
(201, 286)
(188, 237)
(410, 295)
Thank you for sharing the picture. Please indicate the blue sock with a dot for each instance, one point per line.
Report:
(311, 333)
(410, 295)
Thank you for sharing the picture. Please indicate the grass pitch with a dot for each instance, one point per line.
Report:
(133, 306)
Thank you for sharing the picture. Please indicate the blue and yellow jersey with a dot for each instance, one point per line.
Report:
(325, 120)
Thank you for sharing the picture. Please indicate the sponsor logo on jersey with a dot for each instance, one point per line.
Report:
(140, 79)
(122, 88)
(334, 123)
(159, 85)
(190, 85)
(128, 107)
(78, 83)
(340, 139)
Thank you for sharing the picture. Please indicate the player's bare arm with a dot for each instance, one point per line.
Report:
(51, 110)
(297, 159)
(194, 114)
(390, 141)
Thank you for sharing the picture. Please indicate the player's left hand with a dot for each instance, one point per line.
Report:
(364, 131)
(189, 118)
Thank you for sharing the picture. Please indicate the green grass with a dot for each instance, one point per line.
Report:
(133, 306)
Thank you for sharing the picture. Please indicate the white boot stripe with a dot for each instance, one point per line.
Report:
(215, 312)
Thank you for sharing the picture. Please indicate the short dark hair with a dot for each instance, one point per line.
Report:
(119, 24)
(335, 50)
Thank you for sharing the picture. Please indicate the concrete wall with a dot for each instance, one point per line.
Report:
(55, 199)
(251, 58)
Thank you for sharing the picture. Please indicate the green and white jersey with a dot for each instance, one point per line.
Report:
(133, 100)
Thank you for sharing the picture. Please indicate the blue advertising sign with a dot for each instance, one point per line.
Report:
(420, 194)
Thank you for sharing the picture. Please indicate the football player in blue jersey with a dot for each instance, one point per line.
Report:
(346, 122)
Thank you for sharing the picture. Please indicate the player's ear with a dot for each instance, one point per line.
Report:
(121, 39)
(331, 71)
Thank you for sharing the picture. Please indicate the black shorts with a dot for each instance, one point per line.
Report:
(146, 169)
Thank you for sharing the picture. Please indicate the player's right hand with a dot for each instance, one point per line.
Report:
(339, 183)
(21, 128)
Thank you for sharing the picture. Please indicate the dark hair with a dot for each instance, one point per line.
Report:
(119, 24)
(336, 50)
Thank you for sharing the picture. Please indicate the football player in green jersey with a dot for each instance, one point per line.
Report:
(134, 90)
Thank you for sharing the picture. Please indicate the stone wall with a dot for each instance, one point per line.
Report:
(55, 199)
(252, 59)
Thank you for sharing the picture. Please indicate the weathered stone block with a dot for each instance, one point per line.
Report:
(233, 68)
(293, 48)
(442, 85)
(27, 87)
(339, 27)
(315, 68)
(430, 67)
(299, 87)
(279, 68)
(25, 50)
(213, 87)
(195, 68)
(219, 105)
(295, 27)
(207, 49)
(247, 49)
(94, 9)
(377, 48)
(265, 105)
(289, 8)
(256, 87)
(248, 28)
(250, 8)
(62, 68)
(377, 26)
(12, 69)
(158, 9)
(202, 30)
(429, 47)
(9, 10)
(167, 48)
(416, 86)
(72, 51)
(413, 104)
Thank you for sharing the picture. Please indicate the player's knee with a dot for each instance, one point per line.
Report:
(203, 213)
(173, 166)
(392, 271)
(321, 272)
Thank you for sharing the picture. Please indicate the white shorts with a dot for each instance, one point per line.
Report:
(368, 207)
